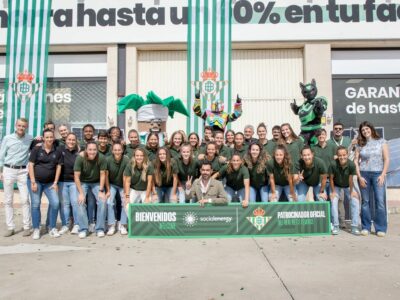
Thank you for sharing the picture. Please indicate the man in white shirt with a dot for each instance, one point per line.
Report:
(14, 153)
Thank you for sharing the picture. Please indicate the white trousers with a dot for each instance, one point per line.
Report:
(10, 177)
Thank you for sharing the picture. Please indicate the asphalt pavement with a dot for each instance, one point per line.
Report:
(321, 267)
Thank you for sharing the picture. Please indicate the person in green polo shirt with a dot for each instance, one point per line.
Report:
(133, 137)
(165, 176)
(116, 164)
(294, 144)
(281, 172)
(341, 174)
(268, 145)
(102, 143)
(175, 143)
(229, 138)
(188, 169)
(224, 152)
(152, 145)
(256, 161)
(90, 174)
(194, 141)
(239, 145)
(138, 183)
(237, 180)
(211, 156)
(338, 139)
(323, 150)
(312, 173)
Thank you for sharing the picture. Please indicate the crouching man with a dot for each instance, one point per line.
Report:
(206, 189)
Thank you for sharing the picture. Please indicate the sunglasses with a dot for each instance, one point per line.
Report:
(338, 129)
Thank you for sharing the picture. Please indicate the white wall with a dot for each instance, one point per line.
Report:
(366, 62)
(77, 65)
(267, 80)
(70, 65)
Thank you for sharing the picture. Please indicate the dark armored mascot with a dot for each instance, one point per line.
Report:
(310, 112)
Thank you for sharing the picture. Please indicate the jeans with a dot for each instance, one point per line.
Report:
(111, 204)
(355, 207)
(283, 189)
(302, 190)
(91, 207)
(262, 191)
(232, 194)
(164, 194)
(101, 208)
(69, 199)
(10, 177)
(182, 193)
(36, 198)
(380, 220)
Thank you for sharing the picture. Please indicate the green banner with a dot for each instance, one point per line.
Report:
(209, 56)
(28, 37)
(194, 221)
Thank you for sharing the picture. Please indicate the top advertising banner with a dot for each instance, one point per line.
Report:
(165, 21)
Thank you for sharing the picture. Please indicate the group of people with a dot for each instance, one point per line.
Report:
(90, 183)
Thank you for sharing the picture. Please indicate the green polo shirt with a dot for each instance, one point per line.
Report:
(175, 154)
(130, 149)
(345, 141)
(234, 179)
(165, 182)
(294, 149)
(279, 174)
(269, 147)
(90, 169)
(137, 183)
(184, 171)
(224, 151)
(116, 170)
(341, 174)
(152, 153)
(107, 151)
(215, 163)
(242, 152)
(195, 153)
(326, 154)
(257, 180)
(312, 175)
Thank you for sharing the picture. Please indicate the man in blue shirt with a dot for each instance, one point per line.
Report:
(14, 153)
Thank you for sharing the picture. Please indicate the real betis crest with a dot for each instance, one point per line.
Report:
(209, 87)
(258, 220)
(24, 88)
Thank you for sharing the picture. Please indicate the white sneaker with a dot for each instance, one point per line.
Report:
(92, 228)
(36, 234)
(54, 233)
(82, 234)
(122, 230)
(63, 230)
(75, 229)
(111, 230)
(100, 233)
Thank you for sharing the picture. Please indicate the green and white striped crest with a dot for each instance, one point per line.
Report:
(209, 55)
(26, 67)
